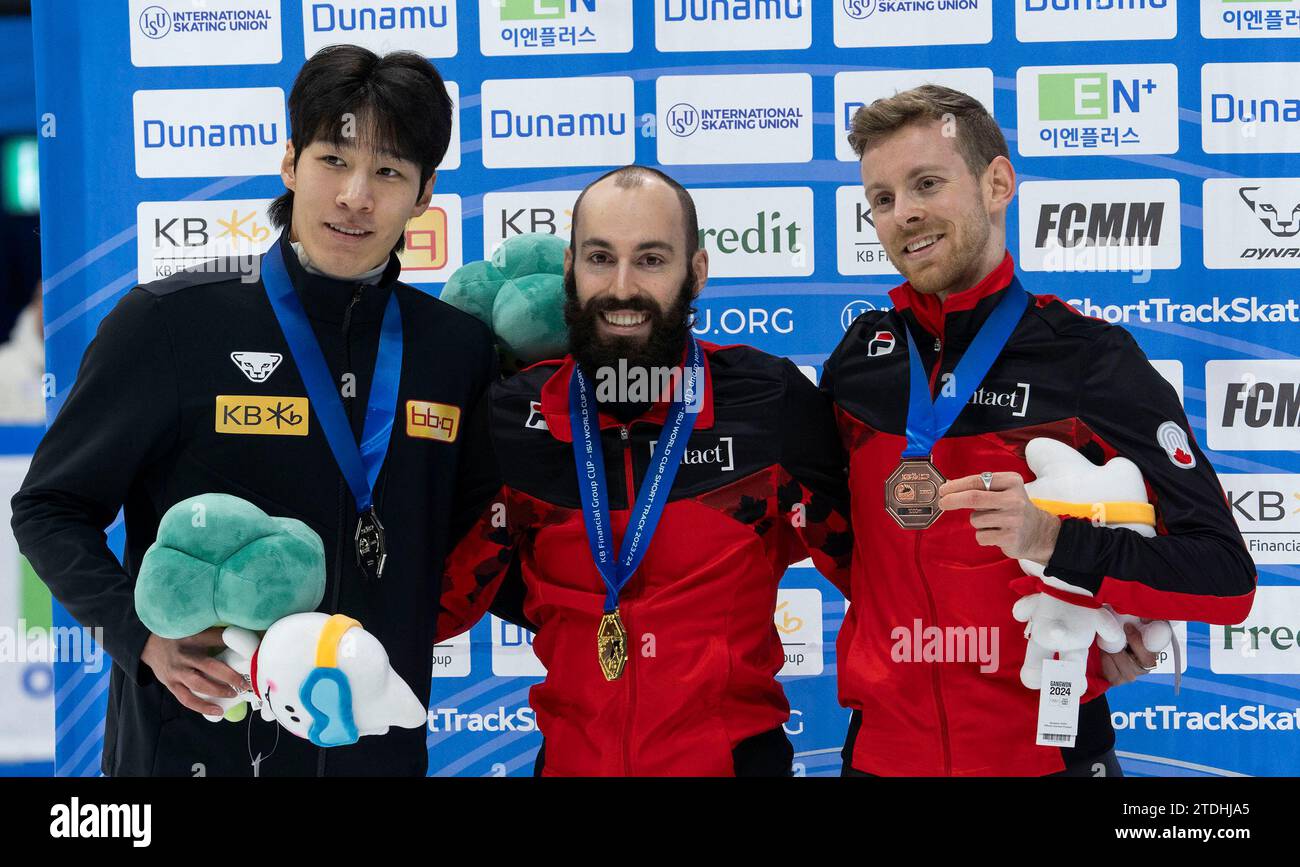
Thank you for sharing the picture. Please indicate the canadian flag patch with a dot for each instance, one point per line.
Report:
(881, 344)
(1173, 440)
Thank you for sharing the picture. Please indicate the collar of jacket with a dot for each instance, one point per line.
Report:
(555, 401)
(937, 317)
(327, 299)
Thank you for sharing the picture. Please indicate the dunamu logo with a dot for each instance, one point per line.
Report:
(159, 134)
(325, 17)
(507, 124)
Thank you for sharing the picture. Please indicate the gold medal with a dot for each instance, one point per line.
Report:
(611, 645)
(912, 494)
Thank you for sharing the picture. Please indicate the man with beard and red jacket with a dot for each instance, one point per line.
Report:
(906, 385)
(694, 497)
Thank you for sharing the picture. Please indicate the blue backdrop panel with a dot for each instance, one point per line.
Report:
(1133, 112)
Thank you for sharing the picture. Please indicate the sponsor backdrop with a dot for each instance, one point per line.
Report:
(1160, 188)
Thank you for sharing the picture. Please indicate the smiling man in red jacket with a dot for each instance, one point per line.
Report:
(939, 510)
(662, 660)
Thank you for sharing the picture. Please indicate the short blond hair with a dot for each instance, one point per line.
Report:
(979, 138)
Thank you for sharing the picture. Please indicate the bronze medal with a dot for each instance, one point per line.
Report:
(611, 645)
(912, 494)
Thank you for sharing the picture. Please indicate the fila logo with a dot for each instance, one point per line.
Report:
(1017, 399)
(1174, 442)
(719, 455)
(536, 421)
(257, 366)
(881, 344)
(432, 421)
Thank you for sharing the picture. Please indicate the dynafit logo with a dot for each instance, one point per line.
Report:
(257, 366)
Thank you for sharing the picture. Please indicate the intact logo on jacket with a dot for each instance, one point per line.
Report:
(719, 455)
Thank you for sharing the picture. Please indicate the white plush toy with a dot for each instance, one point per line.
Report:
(1067, 483)
(323, 677)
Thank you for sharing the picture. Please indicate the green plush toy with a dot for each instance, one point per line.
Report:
(519, 294)
(220, 560)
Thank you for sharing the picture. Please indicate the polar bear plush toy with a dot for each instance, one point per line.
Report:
(1066, 483)
(322, 677)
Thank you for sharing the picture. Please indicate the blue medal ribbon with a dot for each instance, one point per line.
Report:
(653, 495)
(928, 421)
(360, 464)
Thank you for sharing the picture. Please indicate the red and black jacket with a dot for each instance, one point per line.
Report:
(1061, 375)
(762, 485)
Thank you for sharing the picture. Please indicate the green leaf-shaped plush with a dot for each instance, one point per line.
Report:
(219, 559)
(519, 294)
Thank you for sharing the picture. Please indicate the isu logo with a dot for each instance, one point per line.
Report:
(881, 344)
(1174, 442)
(432, 421)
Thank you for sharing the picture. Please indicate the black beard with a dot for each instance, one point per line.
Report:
(662, 348)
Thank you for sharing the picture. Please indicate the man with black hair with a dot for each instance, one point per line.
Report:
(268, 390)
(654, 489)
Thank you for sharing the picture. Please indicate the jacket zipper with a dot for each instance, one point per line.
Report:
(939, 345)
(339, 558)
(934, 669)
(630, 670)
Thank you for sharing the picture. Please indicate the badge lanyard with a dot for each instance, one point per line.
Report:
(928, 421)
(912, 490)
(360, 465)
(650, 499)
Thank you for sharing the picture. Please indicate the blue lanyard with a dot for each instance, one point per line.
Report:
(927, 422)
(360, 465)
(653, 495)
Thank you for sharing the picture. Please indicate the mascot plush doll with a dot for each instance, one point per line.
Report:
(519, 294)
(1067, 483)
(323, 677)
(220, 560)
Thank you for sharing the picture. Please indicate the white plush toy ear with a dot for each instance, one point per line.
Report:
(1024, 607)
(397, 706)
(1053, 458)
(1110, 634)
(242, 641)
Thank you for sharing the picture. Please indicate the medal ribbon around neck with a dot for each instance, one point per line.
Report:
(928, 421)
(653, 495)
(360, 465)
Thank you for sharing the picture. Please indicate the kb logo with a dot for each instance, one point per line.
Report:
(859, 9)
(155, 23)
(682, 119)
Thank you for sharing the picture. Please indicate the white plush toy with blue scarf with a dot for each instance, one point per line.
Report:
(323, 677)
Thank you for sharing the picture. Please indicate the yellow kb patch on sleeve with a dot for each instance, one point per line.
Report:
(432, 421)
(262, 414)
